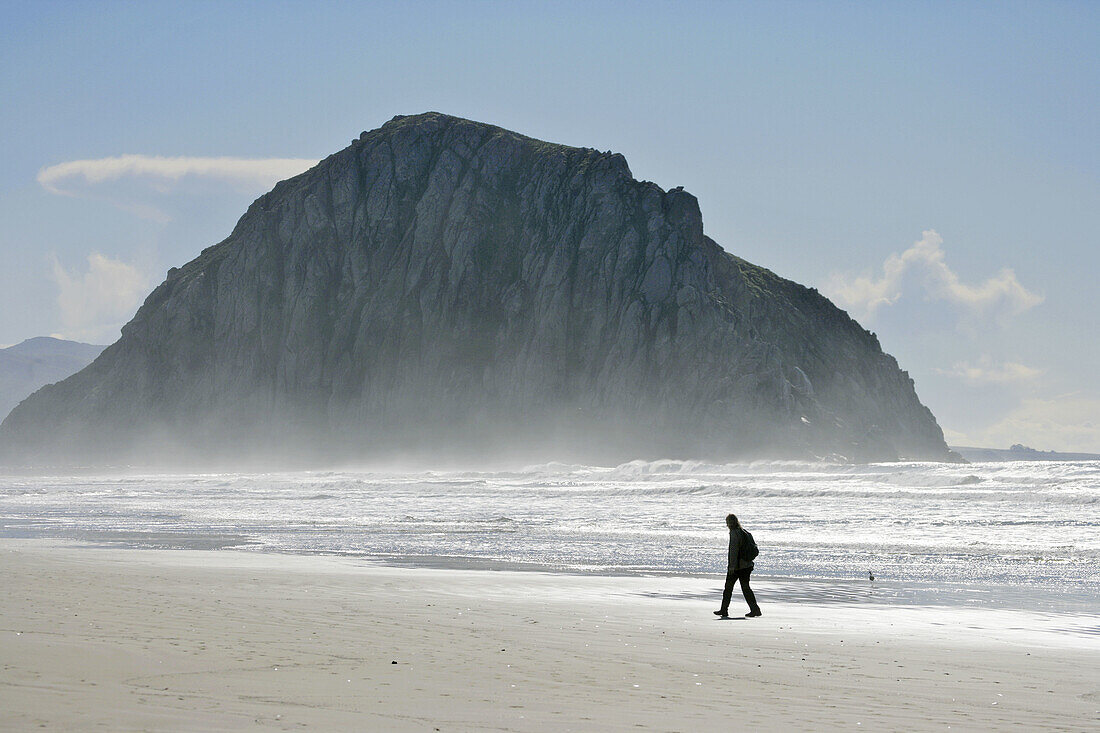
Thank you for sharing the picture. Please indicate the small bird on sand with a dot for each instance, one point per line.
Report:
(871, 576)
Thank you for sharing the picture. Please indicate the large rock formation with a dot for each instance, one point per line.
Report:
(448, 286)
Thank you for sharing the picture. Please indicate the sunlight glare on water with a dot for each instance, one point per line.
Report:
(1027, 523)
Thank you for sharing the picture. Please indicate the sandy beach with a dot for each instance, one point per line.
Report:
(122, 639)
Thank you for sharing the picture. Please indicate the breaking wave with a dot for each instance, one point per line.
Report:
(1030, 524)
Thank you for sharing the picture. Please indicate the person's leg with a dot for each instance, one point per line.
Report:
(750, 597)
(727, 591)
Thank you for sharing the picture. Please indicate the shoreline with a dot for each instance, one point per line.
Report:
(817, 589)
(131, 639)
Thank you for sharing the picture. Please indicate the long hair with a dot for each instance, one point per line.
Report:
(731, 521)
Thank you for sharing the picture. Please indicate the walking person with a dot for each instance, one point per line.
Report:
(742, 552)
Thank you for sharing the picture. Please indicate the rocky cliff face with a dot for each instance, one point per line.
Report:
(445, 285)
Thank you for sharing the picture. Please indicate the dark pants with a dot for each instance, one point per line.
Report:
(732, 576)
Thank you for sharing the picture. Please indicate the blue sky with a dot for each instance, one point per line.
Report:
(822, 139)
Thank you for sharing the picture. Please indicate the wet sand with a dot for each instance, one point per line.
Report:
(123, 639)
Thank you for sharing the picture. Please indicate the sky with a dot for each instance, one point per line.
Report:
(934, 168)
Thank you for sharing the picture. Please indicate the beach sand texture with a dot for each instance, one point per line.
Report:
(121, 639)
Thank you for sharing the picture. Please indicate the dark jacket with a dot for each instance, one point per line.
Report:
(736, 562)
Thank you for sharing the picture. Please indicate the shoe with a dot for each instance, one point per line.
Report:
(721, 614)
(754, 614)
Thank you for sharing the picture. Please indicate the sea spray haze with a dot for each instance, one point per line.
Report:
(443, 287)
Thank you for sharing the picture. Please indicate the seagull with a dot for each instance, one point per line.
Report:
(871, 576)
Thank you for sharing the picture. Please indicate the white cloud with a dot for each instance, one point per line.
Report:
(999, 296)
(94, 304)
(1069, 422)
(160, 169)
(127, 181)
(988, 372)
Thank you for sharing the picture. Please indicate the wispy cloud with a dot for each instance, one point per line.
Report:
(96, 302)
(986, 371)
(127, 181)
(999, 296)
(249, 171)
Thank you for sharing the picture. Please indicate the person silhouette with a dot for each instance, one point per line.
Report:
(739, 568)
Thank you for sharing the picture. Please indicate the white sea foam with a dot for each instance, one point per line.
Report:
(1031, 525)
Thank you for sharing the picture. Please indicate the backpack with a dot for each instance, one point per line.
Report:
(750, 550)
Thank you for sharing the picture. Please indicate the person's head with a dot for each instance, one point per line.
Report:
(731, 521)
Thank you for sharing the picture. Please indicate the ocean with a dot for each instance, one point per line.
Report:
(1013, 534)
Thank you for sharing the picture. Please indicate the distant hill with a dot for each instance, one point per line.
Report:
(1020, 452)
(28, 366)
